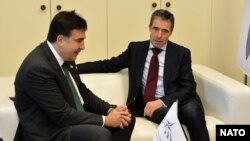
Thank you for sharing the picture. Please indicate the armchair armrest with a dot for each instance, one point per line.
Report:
(222, 96)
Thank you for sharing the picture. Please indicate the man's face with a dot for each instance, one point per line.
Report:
(160, 31)
(71, 46)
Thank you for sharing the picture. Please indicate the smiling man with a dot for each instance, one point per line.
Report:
(159, 74)
(51, 101)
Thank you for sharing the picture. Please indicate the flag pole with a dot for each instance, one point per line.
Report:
(245, 80)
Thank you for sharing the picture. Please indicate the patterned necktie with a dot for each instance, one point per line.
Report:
(78, 103)
(151, 84)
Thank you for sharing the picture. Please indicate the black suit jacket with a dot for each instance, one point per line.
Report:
(178, 78)
(44, 102)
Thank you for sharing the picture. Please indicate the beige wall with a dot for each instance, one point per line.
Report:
(20, 31)
(224, 21)
(23, 26)
(226, 25)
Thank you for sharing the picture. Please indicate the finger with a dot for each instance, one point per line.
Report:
(126, 118)
(124, 112)
(146, 113)
(152, 112)
(121, 126)
(129, 115)
(146, 110)
(119, 107)
(123, 108)
(124, 122)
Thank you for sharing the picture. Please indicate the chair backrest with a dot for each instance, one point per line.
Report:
(112, 87)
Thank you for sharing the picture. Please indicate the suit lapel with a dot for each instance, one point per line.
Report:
(73, 71)
(143, 50)
(142, 59)
(61, 79)
(167, 72)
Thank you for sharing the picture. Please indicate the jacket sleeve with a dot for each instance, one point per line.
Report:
(43, 85)
(111, 65)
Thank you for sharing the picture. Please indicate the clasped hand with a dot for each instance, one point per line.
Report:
(118, 117)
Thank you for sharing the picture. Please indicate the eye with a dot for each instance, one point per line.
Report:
(155, 28)
(79, 40)
(165, 31)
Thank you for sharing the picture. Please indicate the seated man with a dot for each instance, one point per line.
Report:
(51, 101)
(159, 74)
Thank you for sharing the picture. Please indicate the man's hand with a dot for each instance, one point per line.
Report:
(118, 117)
(151, 106)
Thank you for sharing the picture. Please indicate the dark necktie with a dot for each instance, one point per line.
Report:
(152, 79)
(78, 103)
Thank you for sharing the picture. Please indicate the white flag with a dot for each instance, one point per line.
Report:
(243, 58)
(170, 128)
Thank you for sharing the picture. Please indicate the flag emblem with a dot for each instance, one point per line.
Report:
(243, 59)
(170, 128)
(248, 44)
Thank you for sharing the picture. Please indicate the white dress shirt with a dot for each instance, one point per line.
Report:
(161, 58)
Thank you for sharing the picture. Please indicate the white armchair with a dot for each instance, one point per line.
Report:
(223, 97)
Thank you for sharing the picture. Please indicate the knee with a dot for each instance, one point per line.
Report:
(133, 120)
(104, 135)
(90, 133)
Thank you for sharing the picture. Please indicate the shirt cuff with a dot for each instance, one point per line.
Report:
(103, 118)
(163, 103)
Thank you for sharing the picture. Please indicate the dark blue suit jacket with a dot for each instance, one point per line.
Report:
(179, 83)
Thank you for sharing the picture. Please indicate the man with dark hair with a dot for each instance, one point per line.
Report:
(154, 84)
(51, 101)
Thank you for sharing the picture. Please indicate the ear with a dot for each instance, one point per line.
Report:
(170, 33)
(60, 40)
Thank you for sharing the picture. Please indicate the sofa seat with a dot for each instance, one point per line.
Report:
(225, 100)
(116, 92)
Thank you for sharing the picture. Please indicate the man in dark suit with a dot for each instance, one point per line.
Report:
(175, 80)
(45, 101)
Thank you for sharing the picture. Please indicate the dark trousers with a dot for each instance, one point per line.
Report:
(190, 114)
(97, 133)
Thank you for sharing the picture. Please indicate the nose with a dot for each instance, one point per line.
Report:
(159, 33)
(82, 46)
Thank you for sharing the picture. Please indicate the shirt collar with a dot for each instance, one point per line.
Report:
(164, 47)
(57, 56)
